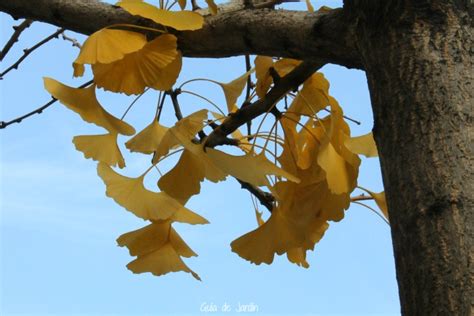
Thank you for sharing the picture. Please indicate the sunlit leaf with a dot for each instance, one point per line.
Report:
(248, 168)
(146, 239)
(156, 65)
(153, 237)
(313, 97)
(84, 102)
(363, 145)
(285, 65)
(108, 45)
(233, 89)
(158, 248)
(148, 139)
(182, 132)
(275, 236)
(336, 169)
(101, 148)
(179, 20)
(189, 173)
(381, 202)
(132, 195)
(161, 261)
(298, 257)
(264, 80)
(309, 6)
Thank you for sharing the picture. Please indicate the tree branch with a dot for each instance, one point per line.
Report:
(15, 36)
(243, 115)
(265, 198)
(28, 51)
(38, 110)
(325, 35)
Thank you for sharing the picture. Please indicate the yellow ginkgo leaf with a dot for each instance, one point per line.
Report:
(132, 195)
(362, 145)
(179, 20)
(160, 262)
(313, 97)
(156, 65)
(182, 132)
(381, 202)
(285, 65)
(212, 6)
(108, 45)
(188, 172)
(84, 102)
(298, 257)
(264, 80)
(248, 168)
(180, 246)
(148, 139)
(233, 89)
(153, 237)
(146, 239)
(79, 70)
(102, 148)
(335, 166)
(275, 236)
(158, 248)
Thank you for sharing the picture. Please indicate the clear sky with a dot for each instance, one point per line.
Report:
(58, 230)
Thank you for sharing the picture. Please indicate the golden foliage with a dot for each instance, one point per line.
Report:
(315, 160)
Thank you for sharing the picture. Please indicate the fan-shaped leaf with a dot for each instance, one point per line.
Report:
(148, 139)
(179, 20)
(132, 195)
(156, 65)
(102, 148)
(84, 102)
(362, 145)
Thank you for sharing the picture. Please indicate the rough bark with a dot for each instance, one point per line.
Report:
(418, 59)
(301, 35)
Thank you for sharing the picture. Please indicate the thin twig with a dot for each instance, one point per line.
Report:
(361, 197)
(28, 51)
(161, 102)
(249, 89)
(75, 42)
(38, 110)
(133, 103)
(15, 36)
(205, 99)
(265, 198)
(374, 211)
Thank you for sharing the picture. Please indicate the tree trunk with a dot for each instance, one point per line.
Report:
(418, 60)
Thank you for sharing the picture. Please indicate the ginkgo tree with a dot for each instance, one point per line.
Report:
(305, 168)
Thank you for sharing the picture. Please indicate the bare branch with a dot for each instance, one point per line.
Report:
(14, 38)
(265, 198)
(28, 51)
(243, 115)
(74, 41)
(38, 110)
(302, 35)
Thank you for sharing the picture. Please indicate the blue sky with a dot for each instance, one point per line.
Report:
(57, 229)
